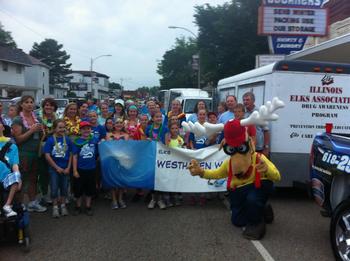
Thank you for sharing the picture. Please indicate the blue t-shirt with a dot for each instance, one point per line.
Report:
(198, 142)
(99, 132)
(226, 116)
(87, 154)
(154, 133)
(12, 158)
(57, 152)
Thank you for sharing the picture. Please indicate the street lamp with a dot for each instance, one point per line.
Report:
(92, 64)
(197, 57)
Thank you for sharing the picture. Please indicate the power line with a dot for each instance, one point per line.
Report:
(37, 33)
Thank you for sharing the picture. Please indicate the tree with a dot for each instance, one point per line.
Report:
(176, 66)
(6, 38)
(50, 53)
(114, 86)
(228, 39)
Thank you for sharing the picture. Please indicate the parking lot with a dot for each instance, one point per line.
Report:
(180, 233)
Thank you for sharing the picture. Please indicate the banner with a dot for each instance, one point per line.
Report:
(152, 165)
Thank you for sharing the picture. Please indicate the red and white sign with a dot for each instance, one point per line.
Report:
(276, 20)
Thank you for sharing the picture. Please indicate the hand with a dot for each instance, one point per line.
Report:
(36, 127)
(76, 174)
(261, 167)
(195, 169)
(222, 143)
(266, 152)
(59, 170)
(66, 171)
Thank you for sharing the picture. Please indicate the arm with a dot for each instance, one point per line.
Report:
(75, 166)
(219, 173)
(17, 133)
(66, 170)
(268, 169)
(266, 150)
(52, 163)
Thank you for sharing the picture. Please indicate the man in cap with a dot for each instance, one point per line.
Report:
(250, 180)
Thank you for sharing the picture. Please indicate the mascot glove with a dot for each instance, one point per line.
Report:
(262, 167)
(195, 169)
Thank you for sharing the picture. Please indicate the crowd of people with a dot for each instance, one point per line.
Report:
(56, 158)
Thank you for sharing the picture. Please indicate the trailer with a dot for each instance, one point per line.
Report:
(315, 93)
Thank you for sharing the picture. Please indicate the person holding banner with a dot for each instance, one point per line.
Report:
(156, 131)
(118, 134)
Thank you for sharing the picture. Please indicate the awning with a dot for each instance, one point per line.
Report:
(336, 50)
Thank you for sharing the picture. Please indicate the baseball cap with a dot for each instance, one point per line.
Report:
(119, 101)
(235, 134)
(84, 124)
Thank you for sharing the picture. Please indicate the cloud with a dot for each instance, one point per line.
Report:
(134, 32)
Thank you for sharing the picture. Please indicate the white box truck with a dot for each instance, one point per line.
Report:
(315, 93)
(188, 98)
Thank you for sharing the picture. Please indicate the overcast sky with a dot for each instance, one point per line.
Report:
(134, 32)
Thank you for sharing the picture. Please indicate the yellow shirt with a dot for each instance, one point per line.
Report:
(176, 143)
(272, 172)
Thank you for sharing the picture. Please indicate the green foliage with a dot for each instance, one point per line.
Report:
(152, 91)
(114, 86)
(6, 38)
(51, 53)
(228, 38)
(176, 66)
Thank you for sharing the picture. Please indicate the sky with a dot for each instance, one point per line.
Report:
(134, 32)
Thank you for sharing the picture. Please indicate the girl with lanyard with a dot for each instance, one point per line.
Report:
(118, 134)
(156, 131)
(27, 129)
(72, 120)
(131, 124)
(48, 116)
(58, 153)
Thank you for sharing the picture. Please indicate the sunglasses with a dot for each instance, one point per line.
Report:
(243, 149)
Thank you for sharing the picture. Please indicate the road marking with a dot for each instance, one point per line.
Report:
(262, 250)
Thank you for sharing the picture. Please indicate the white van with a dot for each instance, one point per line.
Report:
(315, 93)
(188, 98)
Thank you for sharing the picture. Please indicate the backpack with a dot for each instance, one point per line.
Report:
(3, 152)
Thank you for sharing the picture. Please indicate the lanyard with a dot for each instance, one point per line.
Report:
(159, 132)
(64, 144)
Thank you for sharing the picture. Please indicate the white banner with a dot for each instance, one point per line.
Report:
(172, 175)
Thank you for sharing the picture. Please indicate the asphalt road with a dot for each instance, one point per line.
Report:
(179, 233)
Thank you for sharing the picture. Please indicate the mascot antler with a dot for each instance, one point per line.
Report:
(265, 113)
(261, 117)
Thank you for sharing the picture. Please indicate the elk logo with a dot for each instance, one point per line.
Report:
(327, 79)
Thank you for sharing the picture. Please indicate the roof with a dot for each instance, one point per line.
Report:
(333, 50)
(35, 61)
(14, 55)
(88, 74)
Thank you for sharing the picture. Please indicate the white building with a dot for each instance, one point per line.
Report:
(37, 76)
(21, 74)
(82, 85)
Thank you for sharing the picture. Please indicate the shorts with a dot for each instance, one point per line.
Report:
(10, 179)
(85, 184)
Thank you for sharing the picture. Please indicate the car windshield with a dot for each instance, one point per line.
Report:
(61, 103)
(191, 103)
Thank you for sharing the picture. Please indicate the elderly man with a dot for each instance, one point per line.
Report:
(262, 133)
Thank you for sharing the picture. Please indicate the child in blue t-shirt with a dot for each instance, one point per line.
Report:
(84, 167)
(58, 153)
(10, 177)
(98, 130)
(156, 131)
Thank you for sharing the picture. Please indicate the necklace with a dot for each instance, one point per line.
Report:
(75, 141)
(64, 144)
(72, 127)
(24, 120)
(47, 122)
(159, 132)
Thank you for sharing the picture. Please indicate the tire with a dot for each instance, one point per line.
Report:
(340, 232)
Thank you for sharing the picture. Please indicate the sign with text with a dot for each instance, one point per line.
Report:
(287, 44)
(78, 86)
(278, 20)
(295, 3)
(266, 59)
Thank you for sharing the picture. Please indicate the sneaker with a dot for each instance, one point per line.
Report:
(169, 203)
(161, 204)
(64, 210)
(122, 204)
(47, 199)
(55, 212)
(255, 232)
(34, 206)
(152, 204)
(115, 205)
(8, 211)
(268, 214)
(89, 212)
(77, 211)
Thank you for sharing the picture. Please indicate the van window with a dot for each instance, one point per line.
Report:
(258, 88)
(191, 103)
